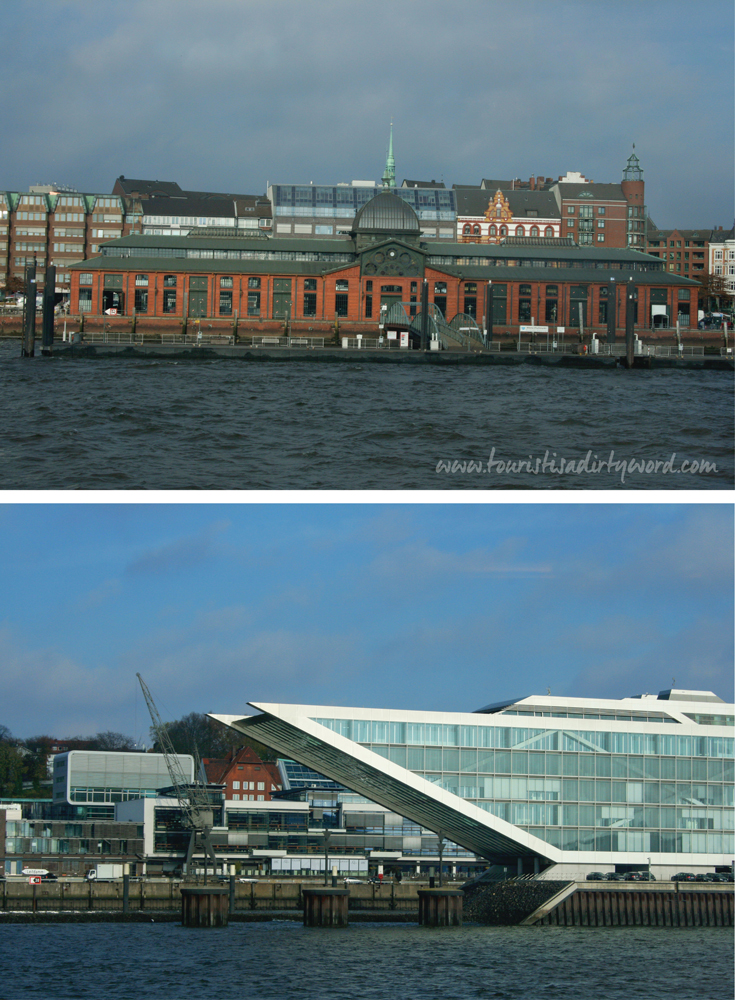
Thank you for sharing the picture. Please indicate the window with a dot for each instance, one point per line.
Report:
(235, 784)
(85, 300)
(493, 230)
(467, 230)
(310, 284)
(600, 223)
(552, 303)
(601, 210)
(253, 282)
(85, 279)
(169, 299)
(549, 231)
(141, 280)
(225, 303)
(225, 283)
(141, 300)
(534, 231)
(503, 230)
(520, 231)
(309, 303)
(600, 237)
(169, 281)
(475, 230)
(342, 285)
(524, 304)
(254, 301)
(570, 209)
(440, 288)
(341, 304)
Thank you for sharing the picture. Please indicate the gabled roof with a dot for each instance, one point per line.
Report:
(474, 202)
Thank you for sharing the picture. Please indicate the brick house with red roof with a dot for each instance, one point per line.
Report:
(245, 776)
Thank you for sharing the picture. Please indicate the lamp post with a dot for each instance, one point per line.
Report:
(326, 855)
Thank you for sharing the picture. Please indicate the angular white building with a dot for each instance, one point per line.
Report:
(539, 784)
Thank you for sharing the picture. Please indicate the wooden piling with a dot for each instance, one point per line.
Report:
(205, 906)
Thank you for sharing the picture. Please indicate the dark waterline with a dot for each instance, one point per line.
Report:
(285, 961)
(223, 424)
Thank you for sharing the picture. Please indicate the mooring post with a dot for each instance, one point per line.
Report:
(126, 888)
(232, 888)
(29, 314)
(630, 322)
(47, 322)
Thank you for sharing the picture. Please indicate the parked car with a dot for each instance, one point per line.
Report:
(615, 877)
(597, 877)
(683, 877)
(644, 876)
(353, 881)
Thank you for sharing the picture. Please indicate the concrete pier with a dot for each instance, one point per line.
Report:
(440, 907)
(325, 907)
(205, 906)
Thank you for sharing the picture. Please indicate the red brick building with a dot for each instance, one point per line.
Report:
(574, 207)
(309, 286)
(245, 776)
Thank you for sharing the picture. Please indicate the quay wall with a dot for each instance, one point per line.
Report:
(533, 902)
(651, 906)
(148, 896)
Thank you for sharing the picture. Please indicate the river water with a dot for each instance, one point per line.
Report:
(285, 961)
(227, 424)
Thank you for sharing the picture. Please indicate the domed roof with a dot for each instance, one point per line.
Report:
(386, 213)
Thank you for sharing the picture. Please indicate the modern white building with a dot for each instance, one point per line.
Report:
(97, 779)
(539, 784)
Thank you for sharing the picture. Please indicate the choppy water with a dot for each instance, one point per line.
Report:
(285, 961)
(228, 424)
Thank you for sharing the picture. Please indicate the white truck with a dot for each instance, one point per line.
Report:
(105, 872)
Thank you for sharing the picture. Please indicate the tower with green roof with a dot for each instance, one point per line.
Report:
(389, 174)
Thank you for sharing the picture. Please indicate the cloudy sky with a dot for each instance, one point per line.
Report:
(227, 95)
(389, 605)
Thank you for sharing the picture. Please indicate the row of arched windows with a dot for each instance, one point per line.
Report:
(470, 230)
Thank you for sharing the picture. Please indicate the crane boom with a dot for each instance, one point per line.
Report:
(192, 796)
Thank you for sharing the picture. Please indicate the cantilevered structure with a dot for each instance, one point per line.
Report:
(541, 783)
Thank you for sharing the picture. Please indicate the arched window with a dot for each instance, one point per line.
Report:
(493, 230)
(498, 212)
(534, 230)
(549, 231)
(520, 231)
(503, 230)
(467, 230)
(476, 231)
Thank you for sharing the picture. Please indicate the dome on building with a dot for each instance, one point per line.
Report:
(387, 213)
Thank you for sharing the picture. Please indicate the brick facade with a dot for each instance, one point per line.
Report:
(245, 776)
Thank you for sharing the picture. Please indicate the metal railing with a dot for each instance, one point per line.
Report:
(371, 343)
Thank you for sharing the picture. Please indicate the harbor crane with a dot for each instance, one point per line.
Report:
(196, 808)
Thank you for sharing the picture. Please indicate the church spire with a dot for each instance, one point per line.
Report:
(389, 174)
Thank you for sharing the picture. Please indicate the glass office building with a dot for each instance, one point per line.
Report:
(90, 782)
(542, 783)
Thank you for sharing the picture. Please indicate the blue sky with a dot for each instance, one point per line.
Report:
(227, 95)
(426, 606)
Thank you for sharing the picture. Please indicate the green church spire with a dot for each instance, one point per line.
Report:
(389, 174)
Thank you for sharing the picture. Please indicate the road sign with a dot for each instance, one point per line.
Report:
(34, 871)
(34, 880)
